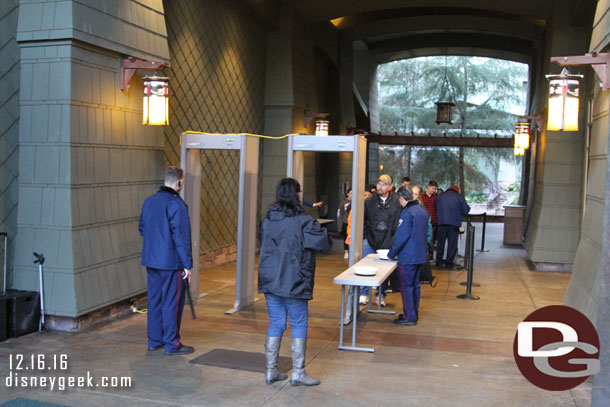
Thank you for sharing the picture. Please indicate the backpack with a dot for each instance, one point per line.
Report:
(426, 276)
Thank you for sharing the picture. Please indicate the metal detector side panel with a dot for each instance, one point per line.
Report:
(297, 144)
(190, 161)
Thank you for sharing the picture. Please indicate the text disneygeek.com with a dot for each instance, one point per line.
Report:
(26, 371)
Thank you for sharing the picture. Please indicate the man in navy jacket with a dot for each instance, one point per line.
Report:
(166, 253)
(410, 244)
(450, 206)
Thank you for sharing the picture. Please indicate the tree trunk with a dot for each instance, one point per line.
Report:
(409, 151)
(463, 128)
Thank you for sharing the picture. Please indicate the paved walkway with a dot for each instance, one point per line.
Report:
(460, 353)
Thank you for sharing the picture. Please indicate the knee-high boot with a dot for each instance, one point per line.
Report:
(272, 350)
(299, 376)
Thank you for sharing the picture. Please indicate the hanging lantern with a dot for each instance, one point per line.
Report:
(522, 135)
(155, 106)
(322, 128)
(563, 101)
(443, 112)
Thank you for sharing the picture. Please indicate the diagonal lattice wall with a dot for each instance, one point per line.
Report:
(217, 77)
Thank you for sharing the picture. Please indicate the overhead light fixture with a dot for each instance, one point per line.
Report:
(156, 104)
(322, 128)
(444, 109)
(564, 92)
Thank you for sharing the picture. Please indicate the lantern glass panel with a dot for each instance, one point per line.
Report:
(443, 112)
(155, 103)
(563, 104)
(322, 128)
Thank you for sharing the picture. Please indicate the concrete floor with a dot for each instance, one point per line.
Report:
(460, 353)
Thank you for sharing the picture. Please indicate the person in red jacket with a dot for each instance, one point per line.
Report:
(427, 200)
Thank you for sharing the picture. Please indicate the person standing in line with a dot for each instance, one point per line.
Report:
(405, 182)
(381, 214)
(428, 199)
(289, 239)
(450, 206)
(342, 214)
(167, 256)
(410, 247)
(348, 240)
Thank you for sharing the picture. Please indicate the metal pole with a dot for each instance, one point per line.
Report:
(40, 261)
(468, 295)
(5, 256)
(467, 246)
(482, 249)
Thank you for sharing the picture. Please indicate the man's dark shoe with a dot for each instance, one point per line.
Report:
(401, 321)
(183, 350)
(439, 264)
(154, 348)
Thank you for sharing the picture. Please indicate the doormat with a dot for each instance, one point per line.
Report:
(21, 402)
(236, 359)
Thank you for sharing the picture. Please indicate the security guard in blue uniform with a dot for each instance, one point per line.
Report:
(450, 206)
(166, 253)
(411, 246)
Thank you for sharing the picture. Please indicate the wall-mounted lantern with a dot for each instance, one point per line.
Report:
(156, 104)
(522, 137)
(322, 128)
(563, 101)
(155, 109)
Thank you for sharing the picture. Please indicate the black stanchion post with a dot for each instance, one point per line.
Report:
(483, 249)
(467, 245)
(468, 295)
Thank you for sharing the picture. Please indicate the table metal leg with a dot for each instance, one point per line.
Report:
(356, 293)
(342, 315)
(379, 310)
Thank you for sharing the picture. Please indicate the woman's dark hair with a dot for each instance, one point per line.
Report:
(348, 191)
(287, 196)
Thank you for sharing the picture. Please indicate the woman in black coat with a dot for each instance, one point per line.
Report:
(289, 239)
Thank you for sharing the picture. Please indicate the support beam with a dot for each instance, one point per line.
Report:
(436, 141)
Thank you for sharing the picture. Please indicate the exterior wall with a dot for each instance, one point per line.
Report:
(217, 83)
(589, 289)
(10, 68)
(554, 222)
(86, 161)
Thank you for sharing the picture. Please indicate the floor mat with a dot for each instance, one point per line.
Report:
(21, 402)
(236, 359)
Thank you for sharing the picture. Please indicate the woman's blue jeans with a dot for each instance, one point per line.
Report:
(281, 307)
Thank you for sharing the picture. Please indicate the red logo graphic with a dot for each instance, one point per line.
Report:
(556, 348)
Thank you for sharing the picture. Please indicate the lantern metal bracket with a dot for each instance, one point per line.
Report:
(129, 67)
(537, 118)
(599, 61)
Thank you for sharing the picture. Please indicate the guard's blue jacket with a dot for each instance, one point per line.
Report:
(166, 229)
(450, 206)
(411, 238)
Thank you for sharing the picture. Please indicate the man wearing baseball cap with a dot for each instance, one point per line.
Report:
(450, 206)
(381, 214)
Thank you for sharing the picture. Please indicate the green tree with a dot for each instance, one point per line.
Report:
(484, 91)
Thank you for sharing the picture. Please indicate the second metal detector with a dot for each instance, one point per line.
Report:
(340, 144)
(190, 162)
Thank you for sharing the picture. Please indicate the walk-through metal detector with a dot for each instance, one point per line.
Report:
(190, 162)
(340, 144)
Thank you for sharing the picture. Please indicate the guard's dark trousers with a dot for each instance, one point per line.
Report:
(165, 305)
